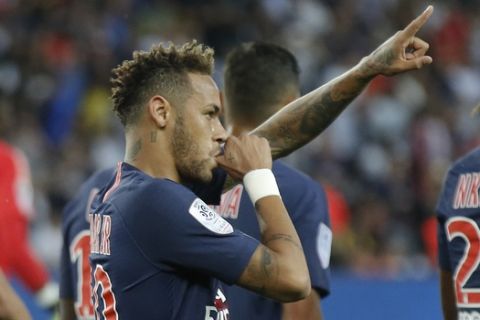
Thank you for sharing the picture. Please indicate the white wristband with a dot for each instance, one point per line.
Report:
(260, 183)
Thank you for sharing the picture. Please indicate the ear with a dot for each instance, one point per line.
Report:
(159, 110)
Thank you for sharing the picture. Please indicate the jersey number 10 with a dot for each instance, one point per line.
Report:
(79, 251)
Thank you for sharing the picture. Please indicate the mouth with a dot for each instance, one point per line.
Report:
(217, 152)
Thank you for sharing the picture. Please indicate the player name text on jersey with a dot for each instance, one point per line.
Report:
(100, 229)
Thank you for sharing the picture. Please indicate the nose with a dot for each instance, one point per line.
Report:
(219, 133)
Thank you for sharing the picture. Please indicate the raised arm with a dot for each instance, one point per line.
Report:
(305, 118)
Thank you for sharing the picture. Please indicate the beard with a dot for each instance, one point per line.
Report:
(186, 150)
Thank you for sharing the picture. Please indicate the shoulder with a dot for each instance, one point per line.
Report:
(80, 203)
(145, 194)
(304, 198)
(99, 179)
(468, 162)
(172, 209)
(458, 184)
(464, 165)
(162, 190)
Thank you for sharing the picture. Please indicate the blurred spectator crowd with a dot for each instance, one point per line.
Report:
(383, 160)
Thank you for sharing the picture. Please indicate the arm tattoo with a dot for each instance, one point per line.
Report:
(134, 150)
(388, 58)
(266, 263)
(320, 115)
(283, 237)
(264, 272)
(305, 118)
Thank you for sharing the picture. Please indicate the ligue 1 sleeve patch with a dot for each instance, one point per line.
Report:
(209, 218)
(324, 244)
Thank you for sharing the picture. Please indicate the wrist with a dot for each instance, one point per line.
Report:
(366, 69)
(260, 183)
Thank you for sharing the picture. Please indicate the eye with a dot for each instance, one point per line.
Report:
(210, 114)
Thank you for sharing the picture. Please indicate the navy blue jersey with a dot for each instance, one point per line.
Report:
(159, 252)
(307, 206)
(458, 215)
(75, 268)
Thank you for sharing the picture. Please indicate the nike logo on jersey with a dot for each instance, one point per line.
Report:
(466, 193)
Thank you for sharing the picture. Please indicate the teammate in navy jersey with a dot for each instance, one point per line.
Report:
(157, 250)
(458, 215)
(259, 80)
(75, 292)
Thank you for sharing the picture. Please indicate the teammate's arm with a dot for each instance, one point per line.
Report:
(277, 268)
(306, 309)
(448, 295)
(305, 118)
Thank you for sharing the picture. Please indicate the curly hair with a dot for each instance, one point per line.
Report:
(163, 70)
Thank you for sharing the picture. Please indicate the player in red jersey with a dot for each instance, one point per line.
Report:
(16, 209)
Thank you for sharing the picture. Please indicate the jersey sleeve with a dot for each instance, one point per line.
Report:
(181, 230)
(310, 218)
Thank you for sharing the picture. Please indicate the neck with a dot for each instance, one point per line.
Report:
(241, 126)
(150, 151)
(238, 127)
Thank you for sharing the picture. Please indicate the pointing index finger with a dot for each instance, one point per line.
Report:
(418, 22)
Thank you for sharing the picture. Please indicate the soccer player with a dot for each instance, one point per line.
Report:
(16, 209)
(75, 290)
(458, 219)
(259, 80)
(157, 250)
